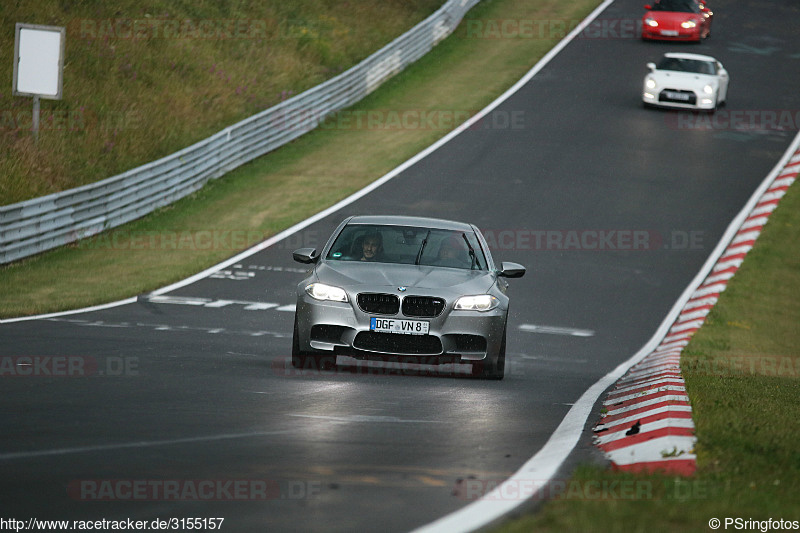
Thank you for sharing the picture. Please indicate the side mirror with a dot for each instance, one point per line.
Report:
(648, 7)
(511, 270)
(305, 255)
(651, 66)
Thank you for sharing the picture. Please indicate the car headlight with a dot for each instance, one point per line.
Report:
(481, 302)
(650, 22)
(650, 83)
(320, 291)
(708, 89)
(688, 24)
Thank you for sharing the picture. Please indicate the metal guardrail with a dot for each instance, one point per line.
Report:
(40, 224)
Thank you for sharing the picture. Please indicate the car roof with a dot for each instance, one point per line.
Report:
(698, 57)
(396, 220)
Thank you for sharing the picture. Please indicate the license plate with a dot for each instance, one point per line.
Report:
(677, 96)
(669, 33)
(405, 327)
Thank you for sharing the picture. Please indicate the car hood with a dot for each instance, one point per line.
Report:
(373, 276)
(682, 79)
(672, 18)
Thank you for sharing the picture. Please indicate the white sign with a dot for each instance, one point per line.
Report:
(38, 60)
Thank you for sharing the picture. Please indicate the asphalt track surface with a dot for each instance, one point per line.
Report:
(206, 392)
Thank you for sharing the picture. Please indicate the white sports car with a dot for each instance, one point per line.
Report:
(686, 81)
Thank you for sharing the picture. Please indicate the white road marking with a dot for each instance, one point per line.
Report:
(261, 306)
(545, 358)
(267, 268)
(554, 330)
(72, 312)
(140, 444)
(170, 327)
(368, 418)
(208, 302)
(180, 300)
(219, 303)
(234, 275)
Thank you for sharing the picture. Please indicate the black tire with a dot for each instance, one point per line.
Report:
(717, 105)
(306, 360)
(489, 370)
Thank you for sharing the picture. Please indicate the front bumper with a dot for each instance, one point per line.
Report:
(681, 35)
(453, 336)
(701, 101)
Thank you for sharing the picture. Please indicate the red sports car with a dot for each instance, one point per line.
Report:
(677, 20)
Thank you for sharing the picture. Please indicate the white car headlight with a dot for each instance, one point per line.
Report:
(650, 22)
(481, 302)
(650, 83)
(708, 89)
(320, 291)
(688, 24)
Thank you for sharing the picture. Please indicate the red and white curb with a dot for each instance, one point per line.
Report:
(647, 421)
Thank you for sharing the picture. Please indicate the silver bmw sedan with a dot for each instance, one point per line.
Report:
(403, 289)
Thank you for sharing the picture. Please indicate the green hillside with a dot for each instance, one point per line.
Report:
(143, 79)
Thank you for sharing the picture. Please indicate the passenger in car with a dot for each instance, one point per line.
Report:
(453, 253)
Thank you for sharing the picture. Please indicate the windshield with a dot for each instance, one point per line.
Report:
(680, 6)
(695, 66)
(408, 245)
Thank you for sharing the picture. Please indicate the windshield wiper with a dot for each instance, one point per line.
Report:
(421, 248)
(471, 252)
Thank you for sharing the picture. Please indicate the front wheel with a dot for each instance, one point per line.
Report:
(308, 361)
(717, 105)
(489, 370)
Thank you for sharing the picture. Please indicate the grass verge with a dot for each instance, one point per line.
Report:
(143, 79)
(461, 75)
(742, 372)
